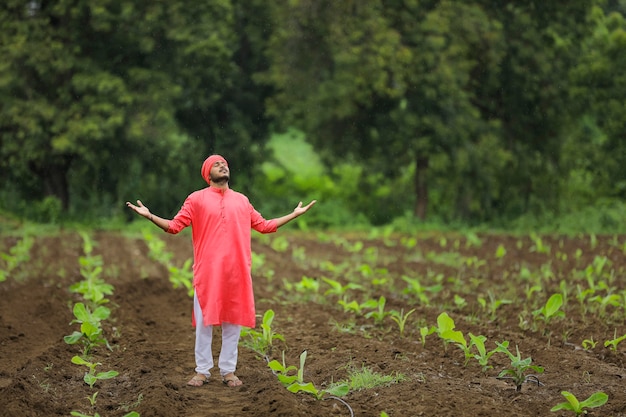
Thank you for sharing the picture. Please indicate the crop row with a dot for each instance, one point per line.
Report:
(90, 313)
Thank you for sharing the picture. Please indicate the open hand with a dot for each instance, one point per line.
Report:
(139, 209)
(299, 210)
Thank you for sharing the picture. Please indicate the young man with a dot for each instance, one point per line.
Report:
(221, 221)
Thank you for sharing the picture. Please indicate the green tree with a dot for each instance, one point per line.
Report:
(104, 98)
(599, 88)
(473, 95)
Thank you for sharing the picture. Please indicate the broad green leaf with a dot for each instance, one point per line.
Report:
(80, 361)
(101, 313)
(80, 312)
(340, 390)
(287, 380)
(444, 322)
(90, 379)
(107, 375)
(308, 388)
(595, 400)
(553, 304)
(454, 336)
(73, 338)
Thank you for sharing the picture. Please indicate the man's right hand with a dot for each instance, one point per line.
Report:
(140, 209)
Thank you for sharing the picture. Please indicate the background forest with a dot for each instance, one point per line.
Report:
(505, 114)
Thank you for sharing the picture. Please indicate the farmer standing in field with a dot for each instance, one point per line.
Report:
(221, 220)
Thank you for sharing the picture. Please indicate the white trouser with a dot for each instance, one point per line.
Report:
(204, 338)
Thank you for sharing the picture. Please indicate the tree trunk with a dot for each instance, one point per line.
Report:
(421, 187)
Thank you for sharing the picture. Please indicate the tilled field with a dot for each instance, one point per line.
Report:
(490, 285)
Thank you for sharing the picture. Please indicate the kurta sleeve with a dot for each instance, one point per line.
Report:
(258, 223)
(182, 218)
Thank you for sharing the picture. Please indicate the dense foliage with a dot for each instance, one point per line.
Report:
(476, 111)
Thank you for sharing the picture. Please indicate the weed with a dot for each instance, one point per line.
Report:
(365, 378)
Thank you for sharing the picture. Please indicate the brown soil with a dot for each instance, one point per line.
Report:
(152, 338)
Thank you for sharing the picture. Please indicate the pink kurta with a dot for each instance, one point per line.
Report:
(221, 222)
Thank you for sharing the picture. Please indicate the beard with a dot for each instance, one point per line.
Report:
(220, 178)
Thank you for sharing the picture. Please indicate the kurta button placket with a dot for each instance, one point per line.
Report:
(223, 210)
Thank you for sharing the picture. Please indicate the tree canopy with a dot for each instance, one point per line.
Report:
(474, 111)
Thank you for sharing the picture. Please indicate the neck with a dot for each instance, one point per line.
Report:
(222, 185)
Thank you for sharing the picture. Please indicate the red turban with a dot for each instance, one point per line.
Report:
(208, 164)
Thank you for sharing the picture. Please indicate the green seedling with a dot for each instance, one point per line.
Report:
(579, 407)
(90, 333)
(500, 252)
(262, 342)
(280, 244)
(531, 289)
(307, 285)
(92, 398)
(295, 383)
(445, 330)
(459, 302)
(183, 276)
(91, 377)
(518, 369)
(426, 331)
(336, 288)
(18, 254)
(538, 246)
(298, 254)
(550, 310)
(415, 288)
(92, 287)
(350, 306)
(258, 261)
(400, 318)
(379, 313)
(483, 355)
(614, 342)
(589, 344)
(157, 249)
(614, 300)
(493, 305)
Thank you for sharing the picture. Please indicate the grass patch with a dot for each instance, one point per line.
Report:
(365, 378)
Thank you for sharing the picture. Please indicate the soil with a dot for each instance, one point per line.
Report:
(152, 341)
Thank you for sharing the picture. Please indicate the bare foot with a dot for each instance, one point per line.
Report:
(198, 380)
(231, 380)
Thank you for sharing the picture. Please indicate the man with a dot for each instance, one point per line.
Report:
(221, 221)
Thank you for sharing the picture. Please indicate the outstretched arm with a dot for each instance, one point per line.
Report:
(297, 212)
(145, 212)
